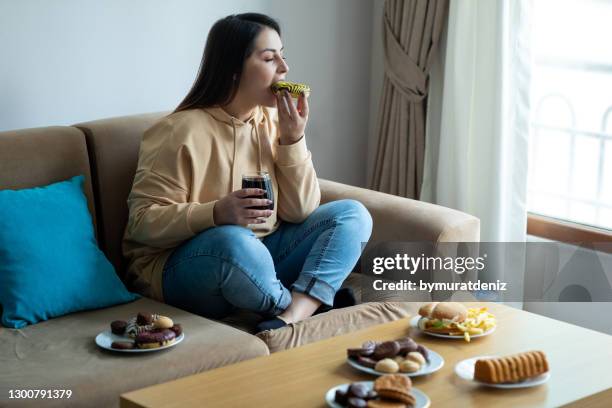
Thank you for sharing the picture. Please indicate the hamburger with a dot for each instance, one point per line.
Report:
(442, 317)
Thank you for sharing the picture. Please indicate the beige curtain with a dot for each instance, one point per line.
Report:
(411, 33)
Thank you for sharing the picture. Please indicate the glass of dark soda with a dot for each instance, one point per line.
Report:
(259, 179)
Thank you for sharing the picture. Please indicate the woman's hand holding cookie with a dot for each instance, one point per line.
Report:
(291, 119)
(235, 209)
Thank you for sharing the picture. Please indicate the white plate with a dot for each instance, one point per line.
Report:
(435, 363)
(106, 338)
(421, 399)
(465, 369)
(414, 322)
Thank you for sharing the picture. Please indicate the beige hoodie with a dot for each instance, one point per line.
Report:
(189, 160)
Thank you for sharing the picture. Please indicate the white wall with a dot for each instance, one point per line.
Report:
(68, 61)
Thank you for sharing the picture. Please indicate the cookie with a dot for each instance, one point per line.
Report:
(387, 349)
(387, 365)
(341, 397)
(409, 366)
(118, 327)
(122, 345)
(424, 351)
(407, 345)
(416, 357)
(357, 403)
(394, 382)
(366, 349)
(400, 396)
(358, 391)
(366, 362)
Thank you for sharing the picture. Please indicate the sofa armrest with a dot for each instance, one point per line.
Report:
(402, 219)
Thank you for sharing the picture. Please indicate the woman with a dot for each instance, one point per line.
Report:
(192, 239)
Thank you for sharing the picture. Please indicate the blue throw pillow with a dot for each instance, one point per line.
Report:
(50, 264)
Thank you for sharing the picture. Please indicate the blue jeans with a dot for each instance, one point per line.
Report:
(228, 267)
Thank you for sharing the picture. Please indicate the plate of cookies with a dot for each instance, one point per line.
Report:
(402, 356)
(142, 333)
(390, 390)
(522, 370)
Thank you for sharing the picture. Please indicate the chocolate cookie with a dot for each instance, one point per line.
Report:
(122, 345)
(118, 327)
(341, 397)
(366, 361)
(366, 349)
(387, 349)
(358, 391)
(407, 345)
(423, 350)
(357, 403)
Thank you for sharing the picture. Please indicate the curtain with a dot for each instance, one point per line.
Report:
(411, 32)
(478, 117)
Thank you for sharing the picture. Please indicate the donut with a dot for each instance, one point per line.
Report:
(163, 322)
(155, 338)
(295, 89)
(118, 327)
(134, 327)
(177, 329)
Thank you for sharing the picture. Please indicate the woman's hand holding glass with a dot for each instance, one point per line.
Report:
(291, 119)
(235, 208)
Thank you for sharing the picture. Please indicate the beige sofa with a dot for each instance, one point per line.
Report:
(61, 353)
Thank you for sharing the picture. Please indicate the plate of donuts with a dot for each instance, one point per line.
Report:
(140, 334)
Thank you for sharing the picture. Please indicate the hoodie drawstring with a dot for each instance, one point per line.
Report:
(233, 158)
(255, 125)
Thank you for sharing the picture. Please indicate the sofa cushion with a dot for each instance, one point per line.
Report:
(40, 156)
(113, 145)
(335, 323)
(61, 354)
(50, 264)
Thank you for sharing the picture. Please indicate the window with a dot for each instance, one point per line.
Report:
(570, 157)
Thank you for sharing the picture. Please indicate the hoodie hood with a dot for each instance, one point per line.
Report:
(255, 120)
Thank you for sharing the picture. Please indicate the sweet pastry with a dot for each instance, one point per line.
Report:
(387, 365)
(177, 329)
(424, 351)
(155, 338)
(163, 322)
(122, 345)
(387, 349)
(118, 327)
(367, 362)
(407, 345)
(511, 369)
(416, 357)
(295, 89)
(357, 403)
(144, 319)
(395, 387)
(409, 366)
(140, 324)
(358, 391)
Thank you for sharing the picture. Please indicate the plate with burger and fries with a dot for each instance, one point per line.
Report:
(452, 320)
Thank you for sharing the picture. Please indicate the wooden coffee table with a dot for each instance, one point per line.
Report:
(580, 362)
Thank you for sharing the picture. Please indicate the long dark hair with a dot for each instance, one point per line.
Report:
(230, 42)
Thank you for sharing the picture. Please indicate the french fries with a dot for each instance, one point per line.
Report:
(478, 321)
